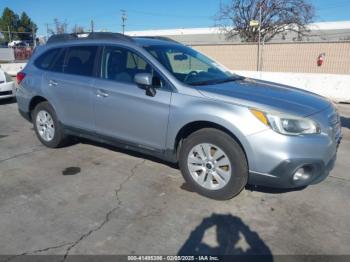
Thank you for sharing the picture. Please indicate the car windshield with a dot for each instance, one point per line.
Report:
(189, 66)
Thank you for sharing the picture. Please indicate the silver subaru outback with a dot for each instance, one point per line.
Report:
(158, 97)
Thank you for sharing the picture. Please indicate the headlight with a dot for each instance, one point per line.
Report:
(287, 124)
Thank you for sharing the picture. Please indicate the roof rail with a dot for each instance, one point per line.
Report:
(159, 38)
(61, 38)
(82, 36)
(109, 35)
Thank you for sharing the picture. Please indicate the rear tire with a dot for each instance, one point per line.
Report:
(213, 164)
(47, 127)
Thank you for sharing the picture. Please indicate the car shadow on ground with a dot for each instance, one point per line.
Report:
(233, 237)
(124, 151)
(345, 122)
(272, 190)
(7, 101)
(185, 186)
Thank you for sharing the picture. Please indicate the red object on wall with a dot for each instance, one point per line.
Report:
(320, 59)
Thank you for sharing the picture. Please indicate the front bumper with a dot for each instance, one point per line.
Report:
(282, 175)
(7, 90)
(276, 158)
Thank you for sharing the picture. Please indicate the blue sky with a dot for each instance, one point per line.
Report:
(145, 14)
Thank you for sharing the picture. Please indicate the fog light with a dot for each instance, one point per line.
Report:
(302, 174)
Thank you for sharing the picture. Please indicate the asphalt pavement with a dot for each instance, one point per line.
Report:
(90, 198)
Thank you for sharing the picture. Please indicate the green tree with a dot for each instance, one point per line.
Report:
(9, 20)
(23, 25)
(26, 25)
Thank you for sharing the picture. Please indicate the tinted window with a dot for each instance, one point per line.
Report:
(45, 60)
(80, 60)
(122, 65)
(58, 61)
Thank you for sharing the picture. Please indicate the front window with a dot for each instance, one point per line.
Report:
(121, 65)
(190, 66)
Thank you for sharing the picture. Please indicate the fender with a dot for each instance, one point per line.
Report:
(185, 111)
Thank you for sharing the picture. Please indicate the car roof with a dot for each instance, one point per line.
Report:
(104, 37)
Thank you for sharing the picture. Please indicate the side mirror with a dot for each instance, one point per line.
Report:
(144, 81)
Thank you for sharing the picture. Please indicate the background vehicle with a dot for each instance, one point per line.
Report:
(7, 85)
(161, 98)
(18, 43)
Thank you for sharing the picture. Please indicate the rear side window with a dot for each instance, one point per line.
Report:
(57, 63)
(80, 60)
(45, 60)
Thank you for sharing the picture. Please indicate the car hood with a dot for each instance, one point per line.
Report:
(266, 96)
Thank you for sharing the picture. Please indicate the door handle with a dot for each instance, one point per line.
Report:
(102, 93)
(53, 83)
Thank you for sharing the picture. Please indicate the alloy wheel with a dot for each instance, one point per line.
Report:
(45, 125)
(209, 166)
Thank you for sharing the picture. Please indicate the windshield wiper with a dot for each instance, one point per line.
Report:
(217, 81)
(203, 83)
(231, 79)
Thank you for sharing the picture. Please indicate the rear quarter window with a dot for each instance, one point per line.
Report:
(45, 60)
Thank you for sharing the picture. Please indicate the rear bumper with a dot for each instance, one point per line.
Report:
(25, 115)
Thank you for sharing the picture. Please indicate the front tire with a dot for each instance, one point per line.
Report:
(47, 127)
(213, 164)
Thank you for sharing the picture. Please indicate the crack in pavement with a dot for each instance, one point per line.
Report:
(36, 251)
(87, 234)
(71, 245)
(340, 178)
(38, 149)
(109, 213)
(132, 173)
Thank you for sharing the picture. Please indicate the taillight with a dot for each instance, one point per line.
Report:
(20, 76)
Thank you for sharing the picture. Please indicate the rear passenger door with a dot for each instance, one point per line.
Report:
(69, 84)
(122, 110)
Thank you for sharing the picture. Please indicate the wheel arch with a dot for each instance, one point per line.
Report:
(34, 102)
(194, 126)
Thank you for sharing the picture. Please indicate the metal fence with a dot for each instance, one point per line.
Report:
(11, 54)
(23, 53)
(297, 57)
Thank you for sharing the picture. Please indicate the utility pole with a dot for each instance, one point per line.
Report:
(34, 38)
(92, 26)
(124, 18)
(8, 28)
(258, 63)
(47, 32)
